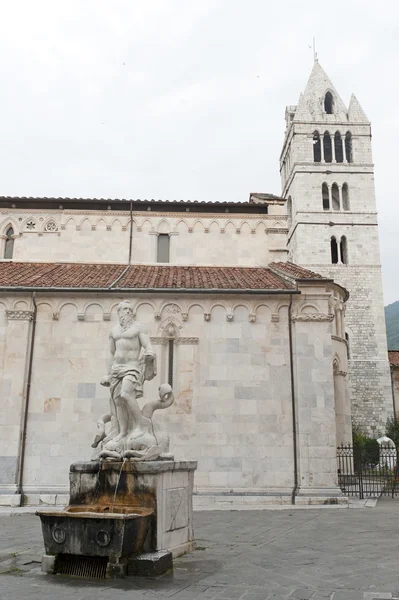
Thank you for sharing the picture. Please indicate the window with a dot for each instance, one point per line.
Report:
(335, 197)
(334, 251)
(348, 147)
(9, 243)
(316, 147)
(329, 103)
(163, 248)
(339, 151)
(325, 196)
(171, 347)
(345, 197)
(347, 344)
(344, 250)
(327, 147)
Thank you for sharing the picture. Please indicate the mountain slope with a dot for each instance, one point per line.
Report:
(392, 324)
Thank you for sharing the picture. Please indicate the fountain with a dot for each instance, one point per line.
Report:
(130, 507)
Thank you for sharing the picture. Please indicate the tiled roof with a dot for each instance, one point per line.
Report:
(295, 271)
(101, 276)
(393, 356)
(138, 200)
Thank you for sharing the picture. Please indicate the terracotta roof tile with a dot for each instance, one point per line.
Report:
(295, 271)
(393, 356)
(95, 276)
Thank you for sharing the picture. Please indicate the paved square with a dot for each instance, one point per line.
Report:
(337, 554)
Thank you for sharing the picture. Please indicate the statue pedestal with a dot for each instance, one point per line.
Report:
(164, 486)
(123, 518)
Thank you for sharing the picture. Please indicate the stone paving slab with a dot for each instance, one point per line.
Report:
(259, 555)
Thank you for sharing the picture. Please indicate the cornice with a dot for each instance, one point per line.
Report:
(147, 214)
(312, 317)
(19, 315)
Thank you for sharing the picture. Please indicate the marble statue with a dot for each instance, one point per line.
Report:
(132, 431)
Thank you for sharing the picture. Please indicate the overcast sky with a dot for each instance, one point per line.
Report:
(185, 99)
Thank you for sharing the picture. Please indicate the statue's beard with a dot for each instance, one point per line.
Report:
(126, 321)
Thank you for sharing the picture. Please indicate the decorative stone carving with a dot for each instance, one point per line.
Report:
(252, 317)
(157, 316)
(172, 309)
(51, 226)
(159, 341)
(188, 341)
(133, 434)
(184, 316)
(81, 316)
(56, 316)
(315, 317)
(20, 315)
(275, 318)
(230, 317)
(108, 228)
(106, 316)
(31, 225)
(207, 316)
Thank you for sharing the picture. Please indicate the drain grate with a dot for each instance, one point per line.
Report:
(81, 566)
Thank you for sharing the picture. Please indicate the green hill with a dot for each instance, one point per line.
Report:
(392, 323)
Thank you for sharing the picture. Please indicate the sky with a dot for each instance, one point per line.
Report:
(185, 99)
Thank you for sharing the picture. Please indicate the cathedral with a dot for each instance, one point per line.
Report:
(266, 317)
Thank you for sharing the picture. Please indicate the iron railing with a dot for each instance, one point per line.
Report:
(368, 474)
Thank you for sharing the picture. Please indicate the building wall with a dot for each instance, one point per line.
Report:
(233, 408)
(103, 236)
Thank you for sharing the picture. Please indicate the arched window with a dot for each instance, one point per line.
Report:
(316, 147)
(344, 250)
(325, 196)
(327, 147)
(9, 243)
(329, 103)
(339, 151)
(334, 251)
(347, 344)
(345, 197)
(289, 210)
(335, 197)
(348, 147)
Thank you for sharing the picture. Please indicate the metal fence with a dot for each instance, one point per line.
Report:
(368, 472)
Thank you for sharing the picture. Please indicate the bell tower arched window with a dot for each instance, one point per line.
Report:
(339, 151)
(325, 196)
(345, 197)
(344, 250)
(327, 146)
(335, 197)
(348, 147)
(9, 243)
(316, 147)
(329, 103)
(334, 251)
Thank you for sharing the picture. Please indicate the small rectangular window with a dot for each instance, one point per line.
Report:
(163, 248)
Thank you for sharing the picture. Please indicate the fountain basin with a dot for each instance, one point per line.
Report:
(92, 531)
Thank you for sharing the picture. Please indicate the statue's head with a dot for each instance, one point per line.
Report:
(125, 313)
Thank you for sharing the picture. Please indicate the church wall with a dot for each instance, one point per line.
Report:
(231, 380)
(242, 240)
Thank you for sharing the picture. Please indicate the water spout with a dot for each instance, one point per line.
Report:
(117, 484)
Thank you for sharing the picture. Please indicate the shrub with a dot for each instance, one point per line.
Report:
(393, 430)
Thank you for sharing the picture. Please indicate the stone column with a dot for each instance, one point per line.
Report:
(333, 148)
(322, 147)
(343, 148)
(13, 399)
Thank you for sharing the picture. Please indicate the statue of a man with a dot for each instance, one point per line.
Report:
(127, 372)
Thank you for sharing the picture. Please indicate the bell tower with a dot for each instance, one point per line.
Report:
(327, 176)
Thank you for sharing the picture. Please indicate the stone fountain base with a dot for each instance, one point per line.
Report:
(133, 516)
